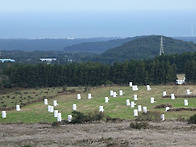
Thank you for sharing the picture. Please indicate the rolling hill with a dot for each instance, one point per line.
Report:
(147, 47)
(97, 47)
(44, 44)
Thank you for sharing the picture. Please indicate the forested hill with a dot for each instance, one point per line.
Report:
(44, 44)
(97, 47)
(145, 48)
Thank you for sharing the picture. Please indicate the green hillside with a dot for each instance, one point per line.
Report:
(115, 108)
(96, 47)
(147, 47)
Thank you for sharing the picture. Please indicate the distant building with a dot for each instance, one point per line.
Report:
(180, 79)
(47, 59)
(7, 60)
(180, 82)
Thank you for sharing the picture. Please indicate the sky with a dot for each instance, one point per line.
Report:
(96, 18)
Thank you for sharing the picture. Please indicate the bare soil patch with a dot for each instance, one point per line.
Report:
(119, 134)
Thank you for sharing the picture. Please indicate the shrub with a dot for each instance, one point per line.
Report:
(95, 116)
(64, 88)
(162, 106)
(108, 82)
(79, 117)
(192, 119)
(86, 89)
(149, 116)
(139, 125)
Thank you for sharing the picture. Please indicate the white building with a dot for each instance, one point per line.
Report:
(7, 60)
(47, 59)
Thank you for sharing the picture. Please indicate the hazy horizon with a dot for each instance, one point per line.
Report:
(87, 18)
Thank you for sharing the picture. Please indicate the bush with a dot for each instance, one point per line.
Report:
(108, 82)
(64, 88)
(95, 116)
(149, 116)
(162, 106)
(79, 117)
(86, 89)
(139, 125)
(192, 119)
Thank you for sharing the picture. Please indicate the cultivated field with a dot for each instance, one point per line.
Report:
(116, 108)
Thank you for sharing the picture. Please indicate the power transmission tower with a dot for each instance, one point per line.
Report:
(0, 53)
(161, 46)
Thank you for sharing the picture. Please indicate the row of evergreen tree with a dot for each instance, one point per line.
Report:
(160, 70)
(88, 73)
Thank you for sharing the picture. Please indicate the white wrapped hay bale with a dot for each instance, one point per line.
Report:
(121, 93)
(59, 117)
(89, 96)
(52, 109)
(55, 113)
(164, 93)
(74, 107)
(172, 96)
(145, 109)
(186, 102)
(162, 117)
(135, 112)
(3, 114)
(46, 101)
(130, 84)
(55, 103)
(135, 97)
(166, 109)
(128, 102)
(134, 88)
(139, 107)
(188, 92)
(152, 100)
(111, 92)
(106, 99)
(114, 94)
(49, 107)
(148, 87)
(69, 118)
(78, 96)
(18, 108)
(101, 109)
(132, 104)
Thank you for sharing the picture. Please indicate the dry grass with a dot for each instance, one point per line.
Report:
(170, 133)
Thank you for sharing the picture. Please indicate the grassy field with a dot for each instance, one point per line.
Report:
(116, 108)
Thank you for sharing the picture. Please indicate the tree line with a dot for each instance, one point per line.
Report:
(92, 74)
(161, 70)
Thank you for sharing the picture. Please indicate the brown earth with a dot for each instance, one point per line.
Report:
(119, 134)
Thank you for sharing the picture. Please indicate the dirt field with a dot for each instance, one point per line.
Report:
(169, 133)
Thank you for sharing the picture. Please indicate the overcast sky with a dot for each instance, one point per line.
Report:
(96, 18)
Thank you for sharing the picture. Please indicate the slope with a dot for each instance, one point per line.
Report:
(44, 44)
(147, 47)
(96, 47)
